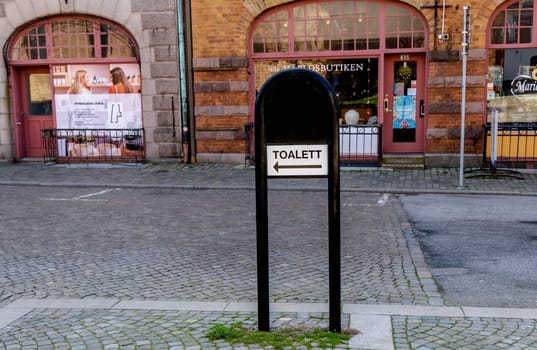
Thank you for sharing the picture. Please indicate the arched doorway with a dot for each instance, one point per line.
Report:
(372, 52)
(44, 60)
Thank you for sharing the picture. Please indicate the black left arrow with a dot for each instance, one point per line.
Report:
(277, 166)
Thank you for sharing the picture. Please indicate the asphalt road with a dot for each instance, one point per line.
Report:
(482, 249)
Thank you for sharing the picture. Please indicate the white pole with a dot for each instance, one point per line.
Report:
(465, 39)
(494, 137)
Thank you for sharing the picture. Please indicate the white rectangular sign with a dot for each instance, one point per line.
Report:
(297, 160)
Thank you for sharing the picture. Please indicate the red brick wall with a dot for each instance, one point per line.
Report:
(220, 29)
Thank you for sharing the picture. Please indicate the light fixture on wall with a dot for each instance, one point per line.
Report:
(443, 36)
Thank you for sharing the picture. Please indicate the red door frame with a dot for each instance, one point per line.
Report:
(16, 107)
(418, 146)
(25, 133)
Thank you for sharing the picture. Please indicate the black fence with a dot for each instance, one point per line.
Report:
(512, 145)
(359, 145)
(93, 145)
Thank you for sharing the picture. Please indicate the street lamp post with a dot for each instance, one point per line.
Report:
(465, 41)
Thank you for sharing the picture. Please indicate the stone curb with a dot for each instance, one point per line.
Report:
(373, 321)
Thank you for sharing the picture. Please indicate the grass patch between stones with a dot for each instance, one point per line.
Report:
(283, 338)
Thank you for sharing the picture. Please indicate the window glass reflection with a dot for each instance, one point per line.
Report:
(73, 38)
(512, 85)
(39, 94)
(338, 25)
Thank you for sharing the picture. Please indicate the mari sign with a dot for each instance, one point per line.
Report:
(297, 160)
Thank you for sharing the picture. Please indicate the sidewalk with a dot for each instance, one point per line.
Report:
(219, 176)
(411, 315)
(116, 324)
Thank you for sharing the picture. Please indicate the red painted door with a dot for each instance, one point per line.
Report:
(404, 108)
(35, 111)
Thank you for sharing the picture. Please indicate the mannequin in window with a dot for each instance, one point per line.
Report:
(80, 84)
(120, 84)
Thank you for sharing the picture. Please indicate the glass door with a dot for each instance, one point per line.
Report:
(404, 104)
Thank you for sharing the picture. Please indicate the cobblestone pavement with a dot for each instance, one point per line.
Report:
(469, 333)
(199, 245)
(187, 233)
(177, 175)
(134, 329)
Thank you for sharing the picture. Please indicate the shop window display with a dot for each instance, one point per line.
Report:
(86, 107)
(512, 85)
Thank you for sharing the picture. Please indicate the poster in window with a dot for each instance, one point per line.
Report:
(97, 96)
(404, 112)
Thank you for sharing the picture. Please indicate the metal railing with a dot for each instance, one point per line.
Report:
(93, 145)
(358, 144)
(510, 145)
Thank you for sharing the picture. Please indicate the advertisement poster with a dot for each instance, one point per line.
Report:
(97, 97)
(102, 111)
(404, 112)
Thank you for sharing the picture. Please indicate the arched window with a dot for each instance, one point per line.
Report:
(512, 63)
(61, 77)
(513, 24)
(73, 38)
(336, 26)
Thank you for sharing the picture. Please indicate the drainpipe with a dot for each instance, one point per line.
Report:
(184, 27)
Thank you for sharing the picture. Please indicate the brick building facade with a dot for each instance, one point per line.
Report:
(233, 54)
(223, 66)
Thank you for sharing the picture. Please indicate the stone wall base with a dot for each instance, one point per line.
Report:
(452, 160)
(224, 158)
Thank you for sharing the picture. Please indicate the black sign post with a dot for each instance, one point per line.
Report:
(297, 135)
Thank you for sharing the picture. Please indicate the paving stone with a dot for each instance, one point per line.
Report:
(187, 232)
